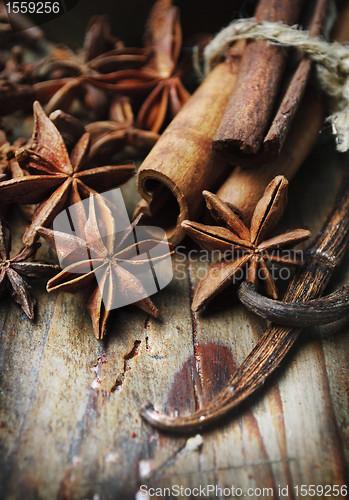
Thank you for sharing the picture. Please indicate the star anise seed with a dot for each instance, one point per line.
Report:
(161, 76)
(13, 270)
(106, 263)
(101, 54)
(70, 128)
(109, 137)
(244, 247)
(56, 180)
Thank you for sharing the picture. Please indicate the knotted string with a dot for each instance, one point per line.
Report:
(332, 63)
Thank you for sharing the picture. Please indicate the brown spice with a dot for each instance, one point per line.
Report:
(182, 164)
(164, 37)
(14, 270)
(56, 180)
(246, 136)
(109, 137)
(244, 187)
(8, 162)
(101, 53)
(321, 259)
(247, 248)
(161, 75)
(70, 128)
(112, 261)
(313, 312)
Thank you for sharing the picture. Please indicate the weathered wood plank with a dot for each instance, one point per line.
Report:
(66, 434)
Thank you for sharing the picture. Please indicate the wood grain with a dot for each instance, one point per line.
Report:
(66, 435)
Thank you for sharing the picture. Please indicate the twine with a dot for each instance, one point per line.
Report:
(332, 63)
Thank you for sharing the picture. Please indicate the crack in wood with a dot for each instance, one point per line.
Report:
(3, 320)
(215, 472)
(148, 350)
(127, 366)
(83, 426)
(196, 372)
(98, 369)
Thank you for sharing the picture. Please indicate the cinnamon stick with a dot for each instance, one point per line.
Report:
(244, 187)
(182, 164)
(243, 137)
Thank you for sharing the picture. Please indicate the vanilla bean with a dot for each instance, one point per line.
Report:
(314, 312)
(321, 259)
(243, 137)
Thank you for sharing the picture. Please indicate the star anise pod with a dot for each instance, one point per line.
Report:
(18, 71)
(101, 54)
(70, 128)
(8, 163)
(56, 180)
(105, 259)
(18, 77)
(14, 270)
(242, 247)
(161, 75)
(109, 137)
(164, 36)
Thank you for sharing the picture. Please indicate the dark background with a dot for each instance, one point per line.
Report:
(128, 18)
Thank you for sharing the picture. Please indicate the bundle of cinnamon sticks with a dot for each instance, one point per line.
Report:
(256, 115)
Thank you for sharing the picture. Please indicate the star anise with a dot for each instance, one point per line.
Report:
(18, 71)
(242, 247)
(70, 128)
(13, 270)
(8, 163)
(56, 180)
(106, 260)
(164, 36)
(101, 54)
(17, 79)
(161, 75)
(109, 137)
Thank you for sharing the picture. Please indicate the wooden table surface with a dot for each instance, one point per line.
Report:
(69, 421)
(66, 435)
